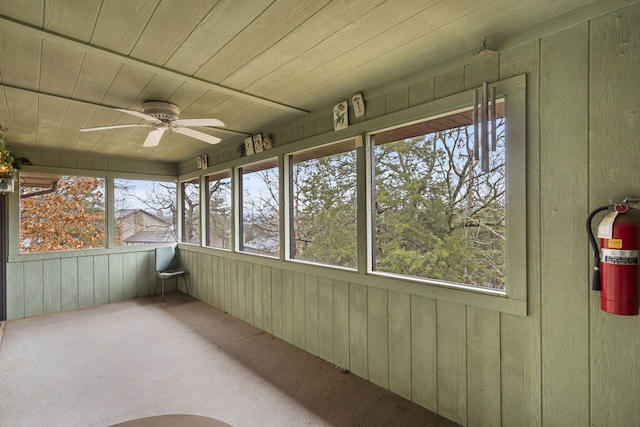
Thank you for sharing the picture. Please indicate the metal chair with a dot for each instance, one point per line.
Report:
(167, 268)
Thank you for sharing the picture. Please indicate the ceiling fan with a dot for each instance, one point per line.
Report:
(163, 116)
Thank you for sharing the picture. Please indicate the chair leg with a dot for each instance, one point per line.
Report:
(163, 290)
(155, 291)
(185, 284)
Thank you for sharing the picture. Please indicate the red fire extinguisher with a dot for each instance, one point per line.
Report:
(616, 262)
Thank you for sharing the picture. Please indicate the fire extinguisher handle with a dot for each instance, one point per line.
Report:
(596, 286)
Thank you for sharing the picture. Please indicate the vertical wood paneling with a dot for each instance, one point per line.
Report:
(614, 157)
(421, 92)
(142, 276)
(33, 288)
(424, 356)
(267, 320)
(233, 280)
(15, 290)
(341, 338)
(287, 306)
(452, 362)
(242, 291)
(130, 270)
(153, 276)
(51, 281)
(69, 283)
(215, 274)
(325, 318)
(299, 310)
(564, 286)
(227, 285)
(483, 367)
(400, 344)
(86, 296)
(257, 296)
(205, 260)
(311, 314)
(358, 359)
(520, 339)
(249, 292)
(115, 278)
(101, 279)
(378, 336)
(276, 302)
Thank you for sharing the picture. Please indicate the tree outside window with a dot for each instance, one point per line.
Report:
(219, 210)
(324, 205)
(437, 215)
(60, 213)
(191, 211)
(259, 209)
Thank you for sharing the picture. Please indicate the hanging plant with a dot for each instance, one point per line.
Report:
(8, 164)
(7, 168)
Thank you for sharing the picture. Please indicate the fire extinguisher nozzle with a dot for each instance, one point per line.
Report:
(595, 286)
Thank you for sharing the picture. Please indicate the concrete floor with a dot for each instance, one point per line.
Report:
(123, 361)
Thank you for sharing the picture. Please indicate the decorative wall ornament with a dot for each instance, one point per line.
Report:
(267, 143)
(257, 143)
(202, 161)
(248, 146)
(358, 105)
(341, 116)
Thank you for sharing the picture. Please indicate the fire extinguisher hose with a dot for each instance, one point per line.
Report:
(596, 250)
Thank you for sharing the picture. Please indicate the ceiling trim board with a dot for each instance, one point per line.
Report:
(44, 34)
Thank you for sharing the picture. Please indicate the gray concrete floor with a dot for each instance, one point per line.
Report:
(139, 358)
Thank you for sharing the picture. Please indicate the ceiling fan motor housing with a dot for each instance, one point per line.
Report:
(163, 111)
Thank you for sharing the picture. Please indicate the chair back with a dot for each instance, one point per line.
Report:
(166, 258)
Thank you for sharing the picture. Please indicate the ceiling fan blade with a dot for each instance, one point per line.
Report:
(112, 127)
(154, 137)
(198, 122)
(138, 114)
(209, 139)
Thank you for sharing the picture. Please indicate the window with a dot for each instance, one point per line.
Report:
(219, 210)
(190, 191)
(436, 213)
(259, 208)
(323, 205)
(144, 212)
(60, 212)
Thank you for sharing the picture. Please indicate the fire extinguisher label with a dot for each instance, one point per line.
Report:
(622, 257)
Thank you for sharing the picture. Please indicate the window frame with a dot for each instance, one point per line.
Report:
(218, 175)
(238, 174)
(13, 220)
(289, 194)
(181, 205)
(513, 92)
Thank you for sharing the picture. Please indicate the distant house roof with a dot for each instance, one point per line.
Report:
(123, 213)
(151, 236)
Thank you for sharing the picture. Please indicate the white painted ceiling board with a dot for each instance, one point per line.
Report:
(263, 53)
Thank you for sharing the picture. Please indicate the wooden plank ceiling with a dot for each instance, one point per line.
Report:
(65, 64)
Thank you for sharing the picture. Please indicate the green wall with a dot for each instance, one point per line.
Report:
(565, 364)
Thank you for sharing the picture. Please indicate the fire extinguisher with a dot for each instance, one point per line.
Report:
(616, 262)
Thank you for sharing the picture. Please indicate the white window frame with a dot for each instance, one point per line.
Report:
(513, 92)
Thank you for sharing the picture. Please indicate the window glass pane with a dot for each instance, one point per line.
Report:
(191, 211)
(145, 212)
(324, 205)
(219, 210)
(437, 214)
(260, 218)
(60, 213)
